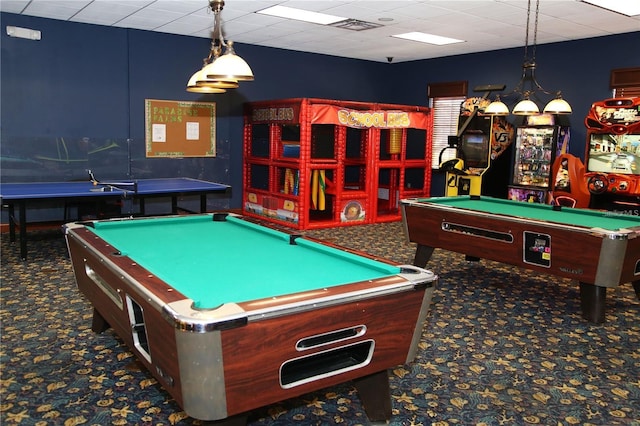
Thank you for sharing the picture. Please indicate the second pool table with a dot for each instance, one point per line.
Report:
(597, 248)
(230, 315)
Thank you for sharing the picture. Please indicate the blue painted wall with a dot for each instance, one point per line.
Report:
(87, 81)
(580, 69)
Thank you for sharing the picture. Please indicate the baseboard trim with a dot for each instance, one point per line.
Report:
(39, 226)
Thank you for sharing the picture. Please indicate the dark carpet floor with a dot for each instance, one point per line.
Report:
(501, 346)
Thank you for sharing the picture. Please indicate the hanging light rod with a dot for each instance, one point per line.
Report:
(528, 85)
(219, 71)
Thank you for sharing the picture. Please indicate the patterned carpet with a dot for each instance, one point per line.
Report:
(502, 346)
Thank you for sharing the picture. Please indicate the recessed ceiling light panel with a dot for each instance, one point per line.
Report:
(625, 7)
(428, 38)
(301, 15)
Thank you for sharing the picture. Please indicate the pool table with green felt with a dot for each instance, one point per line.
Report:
(230, 315)
(599, 249)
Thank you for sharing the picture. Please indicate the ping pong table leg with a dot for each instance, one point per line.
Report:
(23, 230)
(174, 204)
(12, 222)
(21, 223)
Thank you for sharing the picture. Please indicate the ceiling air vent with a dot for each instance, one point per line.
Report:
(355, 25)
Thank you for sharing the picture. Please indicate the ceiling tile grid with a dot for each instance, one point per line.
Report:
(482, 24)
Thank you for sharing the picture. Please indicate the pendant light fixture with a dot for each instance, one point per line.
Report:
(219, 71)
(528, 86)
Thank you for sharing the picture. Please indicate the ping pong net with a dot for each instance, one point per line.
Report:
(107, 186)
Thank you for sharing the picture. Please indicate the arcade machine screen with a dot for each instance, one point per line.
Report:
(475, 147)
(613, 153)
(610, 153)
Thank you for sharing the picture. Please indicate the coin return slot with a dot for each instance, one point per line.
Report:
(329, 363)
(332, 337)
(478, 232)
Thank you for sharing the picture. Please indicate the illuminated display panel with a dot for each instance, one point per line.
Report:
(609, 153)
(614, 137)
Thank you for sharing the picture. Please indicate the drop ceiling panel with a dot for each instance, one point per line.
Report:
(483, 24)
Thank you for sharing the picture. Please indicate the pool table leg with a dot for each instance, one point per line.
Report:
(423, 254)
(98, 324)
(636, 287)
(375, 396)
(593, 302)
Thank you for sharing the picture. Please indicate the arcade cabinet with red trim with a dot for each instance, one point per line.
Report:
(613, 155)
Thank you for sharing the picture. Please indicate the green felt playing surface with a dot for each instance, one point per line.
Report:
(216, 262)
(607, 220)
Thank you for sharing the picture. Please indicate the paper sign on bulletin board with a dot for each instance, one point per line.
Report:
(180, 129)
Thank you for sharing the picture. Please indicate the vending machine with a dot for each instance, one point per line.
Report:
(537, 145)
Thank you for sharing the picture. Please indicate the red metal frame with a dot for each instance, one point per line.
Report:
(294, 210)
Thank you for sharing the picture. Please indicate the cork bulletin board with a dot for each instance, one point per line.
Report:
(180, 129)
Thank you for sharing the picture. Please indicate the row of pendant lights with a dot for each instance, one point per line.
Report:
(528, 85)
(527, 107)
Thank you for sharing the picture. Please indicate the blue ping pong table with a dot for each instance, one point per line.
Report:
(21, 195)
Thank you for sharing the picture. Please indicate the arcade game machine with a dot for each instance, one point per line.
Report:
(538, 143)
(613, 155)
(481, 139)
(496, 178)
(568, 184)
(457, 181)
